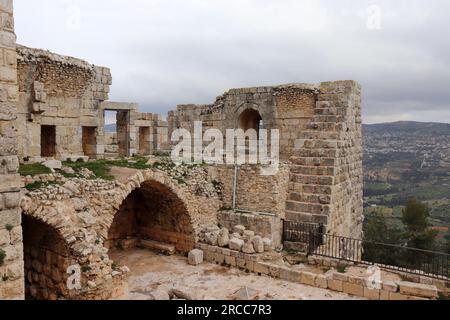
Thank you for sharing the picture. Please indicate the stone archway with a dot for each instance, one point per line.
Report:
(152, 212)
(46, 258)
(250, 119)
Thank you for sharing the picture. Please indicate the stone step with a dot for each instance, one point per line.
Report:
(310, 198)
(312, 179)
(304, 217)
(324, 135)
(158, 246)
(312, 170)
(313, 161)
(295, 206)
(330, 111)
(328, 118)
(325, 126)
(315, 153)
(317, 143)
(309, 188)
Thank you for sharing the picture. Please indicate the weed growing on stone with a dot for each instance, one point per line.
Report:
(33, 169)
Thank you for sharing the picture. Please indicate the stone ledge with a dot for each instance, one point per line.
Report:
(332, 280)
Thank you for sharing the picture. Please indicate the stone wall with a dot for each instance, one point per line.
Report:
(11, 248)
(260, 199)
(60, 92)
(355, 281)
(254, 190)
(267, 226)
(47, 259)
(326, 175)
(62, 98)
(320, 134)
(287, 108)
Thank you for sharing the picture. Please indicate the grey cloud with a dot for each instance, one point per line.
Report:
(166, 52)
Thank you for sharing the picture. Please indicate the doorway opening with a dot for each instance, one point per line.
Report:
(89, 141)
(48, 141)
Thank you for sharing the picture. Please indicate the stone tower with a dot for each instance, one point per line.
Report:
(11, 246)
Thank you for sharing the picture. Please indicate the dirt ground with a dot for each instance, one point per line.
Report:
(152, 272)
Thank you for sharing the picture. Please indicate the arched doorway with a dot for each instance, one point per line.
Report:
(46, 258)
(152, 212)
(250, 119)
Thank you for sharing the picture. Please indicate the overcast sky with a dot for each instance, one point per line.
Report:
(168, 52)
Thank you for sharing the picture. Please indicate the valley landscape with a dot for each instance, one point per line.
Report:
(403, 160)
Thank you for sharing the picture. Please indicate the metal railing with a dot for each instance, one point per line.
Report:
(387, 256)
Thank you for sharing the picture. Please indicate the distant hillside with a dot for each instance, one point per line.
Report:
(426, 143)
(408, 159)
(408, 127)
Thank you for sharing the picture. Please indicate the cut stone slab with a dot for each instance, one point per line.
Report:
(248, 248)
(258, 244)
(128, 243)
(159, 295)
(195, 257)
(158, 246)
(239, 229)
(246, 294)
(236, 235)
(53, 164)
(212, 238)
(248, 235)
(224, 238)
(267, 244)
(135, 296)
(236, 244)
(418, 290)
(184, 293)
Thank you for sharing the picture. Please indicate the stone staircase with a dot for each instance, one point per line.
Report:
(313, 168)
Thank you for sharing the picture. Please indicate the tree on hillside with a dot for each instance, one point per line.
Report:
(417, 233)
(415, 216)
(376, 232)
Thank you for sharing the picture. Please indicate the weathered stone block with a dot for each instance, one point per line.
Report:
(335, 285)
(309, 278)
(371, 294)
(390, 286)
(321, 281)
(353, 289)
(417, 289)
(195, 257)
(236, 244)
(261, 268)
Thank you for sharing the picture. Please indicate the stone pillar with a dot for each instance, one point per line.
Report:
(11, 245)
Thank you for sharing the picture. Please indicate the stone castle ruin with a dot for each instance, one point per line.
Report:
(52, 109)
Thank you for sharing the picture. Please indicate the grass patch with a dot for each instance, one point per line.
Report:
(2, 257)
(341, 268)
(102, 168)
(443, 297)
(38, 185)
(33, 169)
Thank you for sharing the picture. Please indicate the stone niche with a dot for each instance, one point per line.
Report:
(46, 261)
(155, 213)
